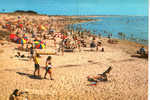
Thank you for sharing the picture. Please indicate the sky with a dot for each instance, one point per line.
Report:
(78, 7)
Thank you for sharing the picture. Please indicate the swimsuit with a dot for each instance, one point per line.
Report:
(36, 60)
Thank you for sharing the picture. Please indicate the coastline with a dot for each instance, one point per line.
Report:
(69, 19)
(71, 70)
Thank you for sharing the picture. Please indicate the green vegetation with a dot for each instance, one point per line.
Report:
(28, 12)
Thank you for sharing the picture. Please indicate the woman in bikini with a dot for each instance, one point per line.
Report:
(48, 67)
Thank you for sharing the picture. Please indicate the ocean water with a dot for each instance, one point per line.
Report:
(135, 28)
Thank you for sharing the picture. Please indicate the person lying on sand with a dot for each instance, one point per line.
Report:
(48, 67)
(19, 55)
(100, 77)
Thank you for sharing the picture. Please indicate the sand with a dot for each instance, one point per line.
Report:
(128, 79)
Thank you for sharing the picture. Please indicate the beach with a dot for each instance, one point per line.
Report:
(128, 79)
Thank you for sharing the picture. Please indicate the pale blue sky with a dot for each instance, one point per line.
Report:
(78, 7)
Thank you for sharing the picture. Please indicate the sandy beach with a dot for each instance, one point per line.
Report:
(128, 79)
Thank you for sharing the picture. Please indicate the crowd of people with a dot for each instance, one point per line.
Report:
(43, 29)
(47, 28)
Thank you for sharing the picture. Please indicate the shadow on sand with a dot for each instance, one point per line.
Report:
(29, 75)
(140, 56)
(69, 66)
(90, 50)
(92, 62)
(24, 59)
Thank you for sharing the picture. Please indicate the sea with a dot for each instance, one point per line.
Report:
(132, 28)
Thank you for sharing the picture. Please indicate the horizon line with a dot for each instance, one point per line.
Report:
(70, 14)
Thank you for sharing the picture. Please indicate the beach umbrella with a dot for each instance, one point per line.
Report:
(40, 46)
(41, 42)
(25, 37)
(21, 41)
(13, 37)
(36, 42)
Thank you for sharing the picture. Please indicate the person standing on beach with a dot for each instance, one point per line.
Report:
(79, 44)
(31, 51)
(61, 46)
(36, 64)
(48, 67)
(92, 44)
(99, 44)
(54, 38)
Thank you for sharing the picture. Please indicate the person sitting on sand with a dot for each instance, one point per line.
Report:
(36, 64)
(18, 54)
(17, 95)
(100, 77)
(83, 42)
(14, 95)
(92, 44)
(27, 48)
(48, 67)
(142, 50)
